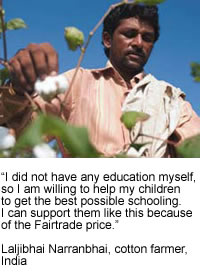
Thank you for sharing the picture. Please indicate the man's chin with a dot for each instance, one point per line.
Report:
(133, 66)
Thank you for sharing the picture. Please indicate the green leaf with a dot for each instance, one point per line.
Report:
(16, 23)
(4, 75)
(32, 135)
(149, 2)
(190, 148)
(74, 37)
(195, 71)
(75, 139)
(13, 24)
(130, 118)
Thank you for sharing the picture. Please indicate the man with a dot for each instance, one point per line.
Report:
(99, 96)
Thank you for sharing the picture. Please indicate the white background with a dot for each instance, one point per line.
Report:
(136, 231)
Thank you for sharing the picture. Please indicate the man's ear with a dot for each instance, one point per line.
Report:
(106, 39)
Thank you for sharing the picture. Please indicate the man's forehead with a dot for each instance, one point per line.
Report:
(134, 22)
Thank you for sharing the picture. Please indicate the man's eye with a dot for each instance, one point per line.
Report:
(131, 34)
(148, 37)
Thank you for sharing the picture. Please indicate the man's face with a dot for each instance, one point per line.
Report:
(130, 45)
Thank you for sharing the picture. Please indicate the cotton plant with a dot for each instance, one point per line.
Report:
(51, 86)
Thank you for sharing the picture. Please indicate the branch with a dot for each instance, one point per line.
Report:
(33, 104)
(3, 31)
(160, 139)
(4, 62)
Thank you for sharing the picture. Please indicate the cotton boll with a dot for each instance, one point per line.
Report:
(50, 81)
(46, 88)
(38, 86)
(44, 151)
(51, 86)
(62, 83)
(6, 139)
(74, 37)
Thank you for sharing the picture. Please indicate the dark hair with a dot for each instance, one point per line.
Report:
(145, 13)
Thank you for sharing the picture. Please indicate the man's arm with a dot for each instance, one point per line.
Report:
(189, 123)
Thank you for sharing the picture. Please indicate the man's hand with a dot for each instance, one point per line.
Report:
(35, 61)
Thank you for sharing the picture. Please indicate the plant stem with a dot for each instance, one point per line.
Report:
(3, 62)
(33, 104)
(3, 31)
(157, 138)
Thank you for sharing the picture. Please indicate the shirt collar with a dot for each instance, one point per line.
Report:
(117, 77)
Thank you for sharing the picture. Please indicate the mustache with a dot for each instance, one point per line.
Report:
(136, 51)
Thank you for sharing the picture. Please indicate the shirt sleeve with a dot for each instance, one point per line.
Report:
(189, 122)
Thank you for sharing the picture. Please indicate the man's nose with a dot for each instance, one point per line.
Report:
(137, 41)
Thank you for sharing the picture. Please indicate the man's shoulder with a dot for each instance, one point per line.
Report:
(159, 83)
(87, 71)
(155, 80)
(80, 70)
(83, 72)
